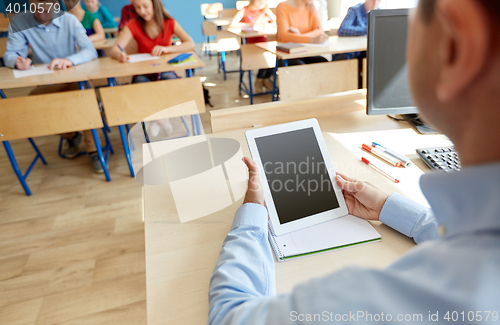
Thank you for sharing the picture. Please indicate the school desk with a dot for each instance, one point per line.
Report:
(337, 45)
(220, 23)
(180, 257)
(108, 68)
(78, 73)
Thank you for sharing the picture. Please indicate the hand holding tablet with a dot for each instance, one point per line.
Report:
(297, 175)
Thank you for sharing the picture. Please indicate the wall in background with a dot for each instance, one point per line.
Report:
(186, 12)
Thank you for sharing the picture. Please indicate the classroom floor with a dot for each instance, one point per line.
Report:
(73, 252)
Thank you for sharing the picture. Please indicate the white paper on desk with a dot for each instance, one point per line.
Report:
(32, 72)
(327, 43)
(133, 58)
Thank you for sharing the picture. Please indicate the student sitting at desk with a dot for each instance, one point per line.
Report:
(128, 13)
(256, 15)
(101, 12)
(454, 68)
(298, 22)
(89, 21)
(56, 43)
(153, 29)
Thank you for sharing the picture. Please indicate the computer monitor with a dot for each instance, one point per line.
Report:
(388, 89)
(387, 83)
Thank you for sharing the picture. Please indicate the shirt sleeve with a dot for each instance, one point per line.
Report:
(16, 43)
(87, 51)
(107, 19)
(245, 268)
(242, 286)
(350, 27)
(409, 218)
(284, 28)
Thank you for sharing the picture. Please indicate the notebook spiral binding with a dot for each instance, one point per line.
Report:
(274, 243)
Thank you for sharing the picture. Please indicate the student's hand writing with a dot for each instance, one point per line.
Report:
(122, 57)
(362, 198)
(254, 194)
(60, 64)
(318, 39)
(159, 50)
(23, 63)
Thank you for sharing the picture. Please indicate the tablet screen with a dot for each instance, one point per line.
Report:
(296, 174)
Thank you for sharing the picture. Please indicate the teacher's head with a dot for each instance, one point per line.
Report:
(453, 56)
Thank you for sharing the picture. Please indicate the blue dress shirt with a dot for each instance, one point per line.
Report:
(57, 40)
(454, 272)
(355, 22)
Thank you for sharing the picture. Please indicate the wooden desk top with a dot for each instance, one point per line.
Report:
(73, 74)
(339, 45)
(105, 44)
(180, 257)
(220, 22)
(247, 34)
(109, 68)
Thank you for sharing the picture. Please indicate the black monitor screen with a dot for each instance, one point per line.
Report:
(296, 174)
(388, 91)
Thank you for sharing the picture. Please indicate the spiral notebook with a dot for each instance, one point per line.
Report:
(334, 234)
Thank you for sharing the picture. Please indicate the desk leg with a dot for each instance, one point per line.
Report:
(275, 73)
(250, 86)
(189, 73)
(15, 166)
(126, 149)
(99, 153)
(223, 63)
(2, 95)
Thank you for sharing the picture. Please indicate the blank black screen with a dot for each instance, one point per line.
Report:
(390, 73)
(296, 174)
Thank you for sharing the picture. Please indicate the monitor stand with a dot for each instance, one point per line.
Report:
(418, 125)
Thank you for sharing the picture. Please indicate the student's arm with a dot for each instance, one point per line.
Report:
(348, 27)
(17, 44)
(87, 51)
(237, 18)
(123, 39)
(187, 43)
(398, 212)
(99, 34)
(108, 21)
(285, 35)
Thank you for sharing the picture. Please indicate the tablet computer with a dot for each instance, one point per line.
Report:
(297, 175)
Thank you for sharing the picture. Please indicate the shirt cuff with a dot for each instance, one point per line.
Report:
(401, 213)
(251, 214)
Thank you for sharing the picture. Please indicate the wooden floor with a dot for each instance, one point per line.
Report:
(73, 252)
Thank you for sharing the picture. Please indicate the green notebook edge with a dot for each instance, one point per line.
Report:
(330, 249)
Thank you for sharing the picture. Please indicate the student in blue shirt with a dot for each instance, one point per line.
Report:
(61, 42)
(454, 68)
(101, 12)
(355, 22)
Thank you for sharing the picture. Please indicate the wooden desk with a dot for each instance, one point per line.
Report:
(73, 74)
(105, 44)
(110, 68)
(180, 257)
(220, 23)
(338, 45)
(254, 33)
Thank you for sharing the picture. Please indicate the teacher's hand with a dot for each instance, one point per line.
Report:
(254, 194)
(362, 198)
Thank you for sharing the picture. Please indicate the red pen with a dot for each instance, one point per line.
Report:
(380, 171)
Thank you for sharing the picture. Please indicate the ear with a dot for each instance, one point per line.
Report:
(463, 47)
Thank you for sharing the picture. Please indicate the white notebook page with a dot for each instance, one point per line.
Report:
(334, 233)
